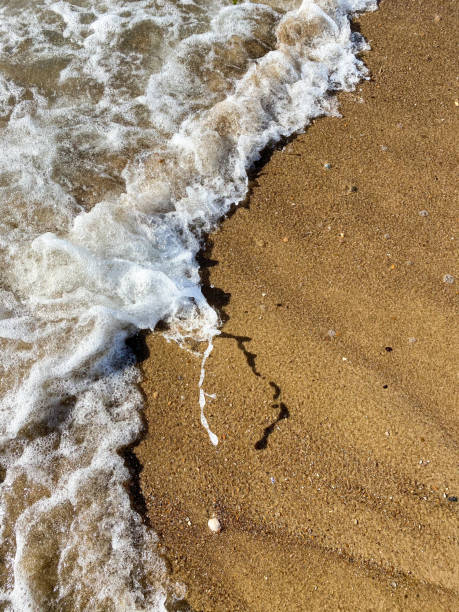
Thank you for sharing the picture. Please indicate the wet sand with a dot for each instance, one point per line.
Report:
(336, 477)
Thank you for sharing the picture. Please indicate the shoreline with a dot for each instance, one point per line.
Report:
(335, 471)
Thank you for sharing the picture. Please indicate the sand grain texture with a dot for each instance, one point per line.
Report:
(336, 472)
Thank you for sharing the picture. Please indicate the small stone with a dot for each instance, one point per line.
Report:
(331, 333)
(259, 243)
(285, 239)
(386, 236)
(412, 340)
(327, 166)
(456, 102)
(437, 18)
(352, 188)
(214, 525)
(452, 498)
(155, 395)
(449, 279)
(389, 349)
(356, 522)
(383, 148)
(393, 585)
(423, 213)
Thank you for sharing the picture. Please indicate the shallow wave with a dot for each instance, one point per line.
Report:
(127, 129)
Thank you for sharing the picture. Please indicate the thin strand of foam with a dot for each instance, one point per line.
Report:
(202, 394)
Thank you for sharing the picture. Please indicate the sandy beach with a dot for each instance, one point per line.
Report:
(336, 477)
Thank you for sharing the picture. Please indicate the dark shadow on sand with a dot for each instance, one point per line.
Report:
(218, 299)
(138, 347)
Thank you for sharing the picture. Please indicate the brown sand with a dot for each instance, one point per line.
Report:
(351, 504)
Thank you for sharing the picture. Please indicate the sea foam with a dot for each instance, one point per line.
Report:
(126, 132)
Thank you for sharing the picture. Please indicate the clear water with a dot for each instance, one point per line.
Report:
(126, 131)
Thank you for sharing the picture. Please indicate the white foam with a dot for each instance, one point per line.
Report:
(202, 395)
(126, 132)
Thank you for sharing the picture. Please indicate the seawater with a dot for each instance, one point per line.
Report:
(126, 131)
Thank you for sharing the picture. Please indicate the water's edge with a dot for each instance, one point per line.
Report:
(83, 274)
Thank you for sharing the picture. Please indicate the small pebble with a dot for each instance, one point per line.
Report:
(285, 239)
(389, 349)
(448, 278)
(437, 18)
(423, 213)
(214, 525)
(383, 148)
(327, 166)
(452, 498)
(412, 340)
(393, 585)
(386, 236)
(331, 333)
(352, 188)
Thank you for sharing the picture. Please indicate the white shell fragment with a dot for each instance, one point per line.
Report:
(214, 525)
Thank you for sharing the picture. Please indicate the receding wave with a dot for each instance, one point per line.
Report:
(126, 132)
